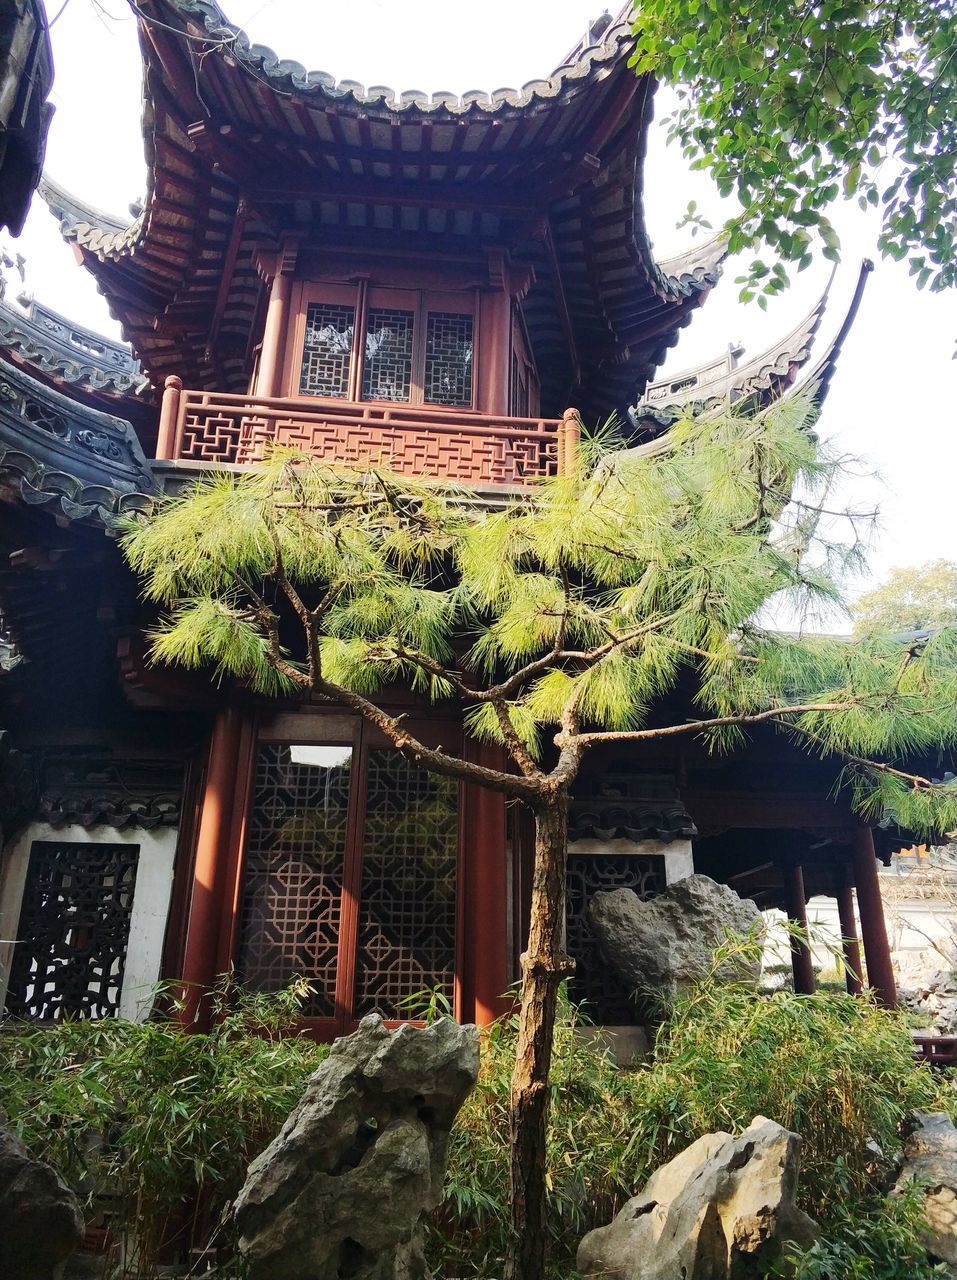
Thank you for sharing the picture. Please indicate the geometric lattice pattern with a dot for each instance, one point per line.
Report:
(387, 370)
(473, 449)
(448, 359)
(327, 353)
(406, 936)
(293, 876)
(74, 927)
(607, 999)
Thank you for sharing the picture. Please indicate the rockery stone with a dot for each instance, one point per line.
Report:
(40, 1221)
(342, 1189)
(661, 946)
(721, 1210)
(930, 1156)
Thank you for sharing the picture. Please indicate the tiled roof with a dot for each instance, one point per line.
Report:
(240, 143)
(723, 380)
(56, 453)
(68, 353)
(624, 805)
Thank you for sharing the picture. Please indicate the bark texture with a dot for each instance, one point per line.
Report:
(544, 965)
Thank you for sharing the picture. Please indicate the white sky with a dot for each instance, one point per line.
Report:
(894, 398)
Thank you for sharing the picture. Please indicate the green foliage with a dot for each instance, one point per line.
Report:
(877, 1238)
(791, 106)
(162, 1120)
(912, 599)
(563, 620)
(834, 1068)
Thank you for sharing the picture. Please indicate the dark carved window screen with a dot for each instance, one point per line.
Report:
(387, 371)
(406, 937)
(73, 932)
(295, 855)
(448, 359)
(327, 352)
(606, 1000)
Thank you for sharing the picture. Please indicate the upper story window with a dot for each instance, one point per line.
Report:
(396, 346)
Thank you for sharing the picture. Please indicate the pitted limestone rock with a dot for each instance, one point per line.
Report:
(40, 1222)
(342, 1189)
(721, 1210)
(660, 946)
(930, 1157)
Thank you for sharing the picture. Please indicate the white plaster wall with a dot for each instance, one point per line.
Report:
(679, 862)
(151, 897)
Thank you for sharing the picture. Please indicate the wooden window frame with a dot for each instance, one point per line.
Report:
(365, 295)
(296, 729)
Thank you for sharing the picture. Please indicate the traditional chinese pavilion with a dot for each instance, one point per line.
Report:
(432, 279)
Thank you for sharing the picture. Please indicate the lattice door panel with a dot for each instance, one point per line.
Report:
(73, 931)
(406, 934)
(292, 886)
(607, 1000)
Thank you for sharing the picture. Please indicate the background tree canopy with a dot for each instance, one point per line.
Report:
(911, 599)
(791, 105)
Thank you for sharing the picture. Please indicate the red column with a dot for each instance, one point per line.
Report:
(877, 952)
(485, 894)
(274, 336)
(802, 964)
(201, 950)
(852, 949)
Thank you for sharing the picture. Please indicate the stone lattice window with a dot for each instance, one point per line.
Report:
(74, 928)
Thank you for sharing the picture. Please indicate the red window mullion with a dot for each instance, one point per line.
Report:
(351, 887)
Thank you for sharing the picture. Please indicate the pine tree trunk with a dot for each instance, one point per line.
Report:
(544, 964)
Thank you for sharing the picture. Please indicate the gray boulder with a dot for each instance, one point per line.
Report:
(660, 946)
(721, 1210)
(40, 1220)
(930, 1156)
(342, 1189)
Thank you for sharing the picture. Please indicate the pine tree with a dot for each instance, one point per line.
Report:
(557, 623)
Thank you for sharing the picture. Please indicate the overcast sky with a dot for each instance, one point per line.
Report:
(894, 399)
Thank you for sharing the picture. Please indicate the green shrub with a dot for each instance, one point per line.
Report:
(162, 1121)
(834, 1068)
(877, 1238)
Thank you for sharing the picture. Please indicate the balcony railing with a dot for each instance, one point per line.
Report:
(466, 447)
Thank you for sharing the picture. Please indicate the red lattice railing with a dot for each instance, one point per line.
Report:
(453, 444)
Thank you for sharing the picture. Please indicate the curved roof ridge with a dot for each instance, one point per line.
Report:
(66, 351)
(823, 371)
(693, 263)
(718, 379)
(288, 75)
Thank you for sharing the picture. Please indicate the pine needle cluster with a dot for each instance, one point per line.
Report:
(563, 618)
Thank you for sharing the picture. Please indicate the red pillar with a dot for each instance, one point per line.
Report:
(274, 336)
(877, 952)
(485, 905)
(201, 950)
(801, 961)
(853, 976)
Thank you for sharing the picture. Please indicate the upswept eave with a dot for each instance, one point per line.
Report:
(70, 355)
(207, 132)
(768, 374)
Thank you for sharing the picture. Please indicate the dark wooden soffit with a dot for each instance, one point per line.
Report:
(26, 77)
(229, 128)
